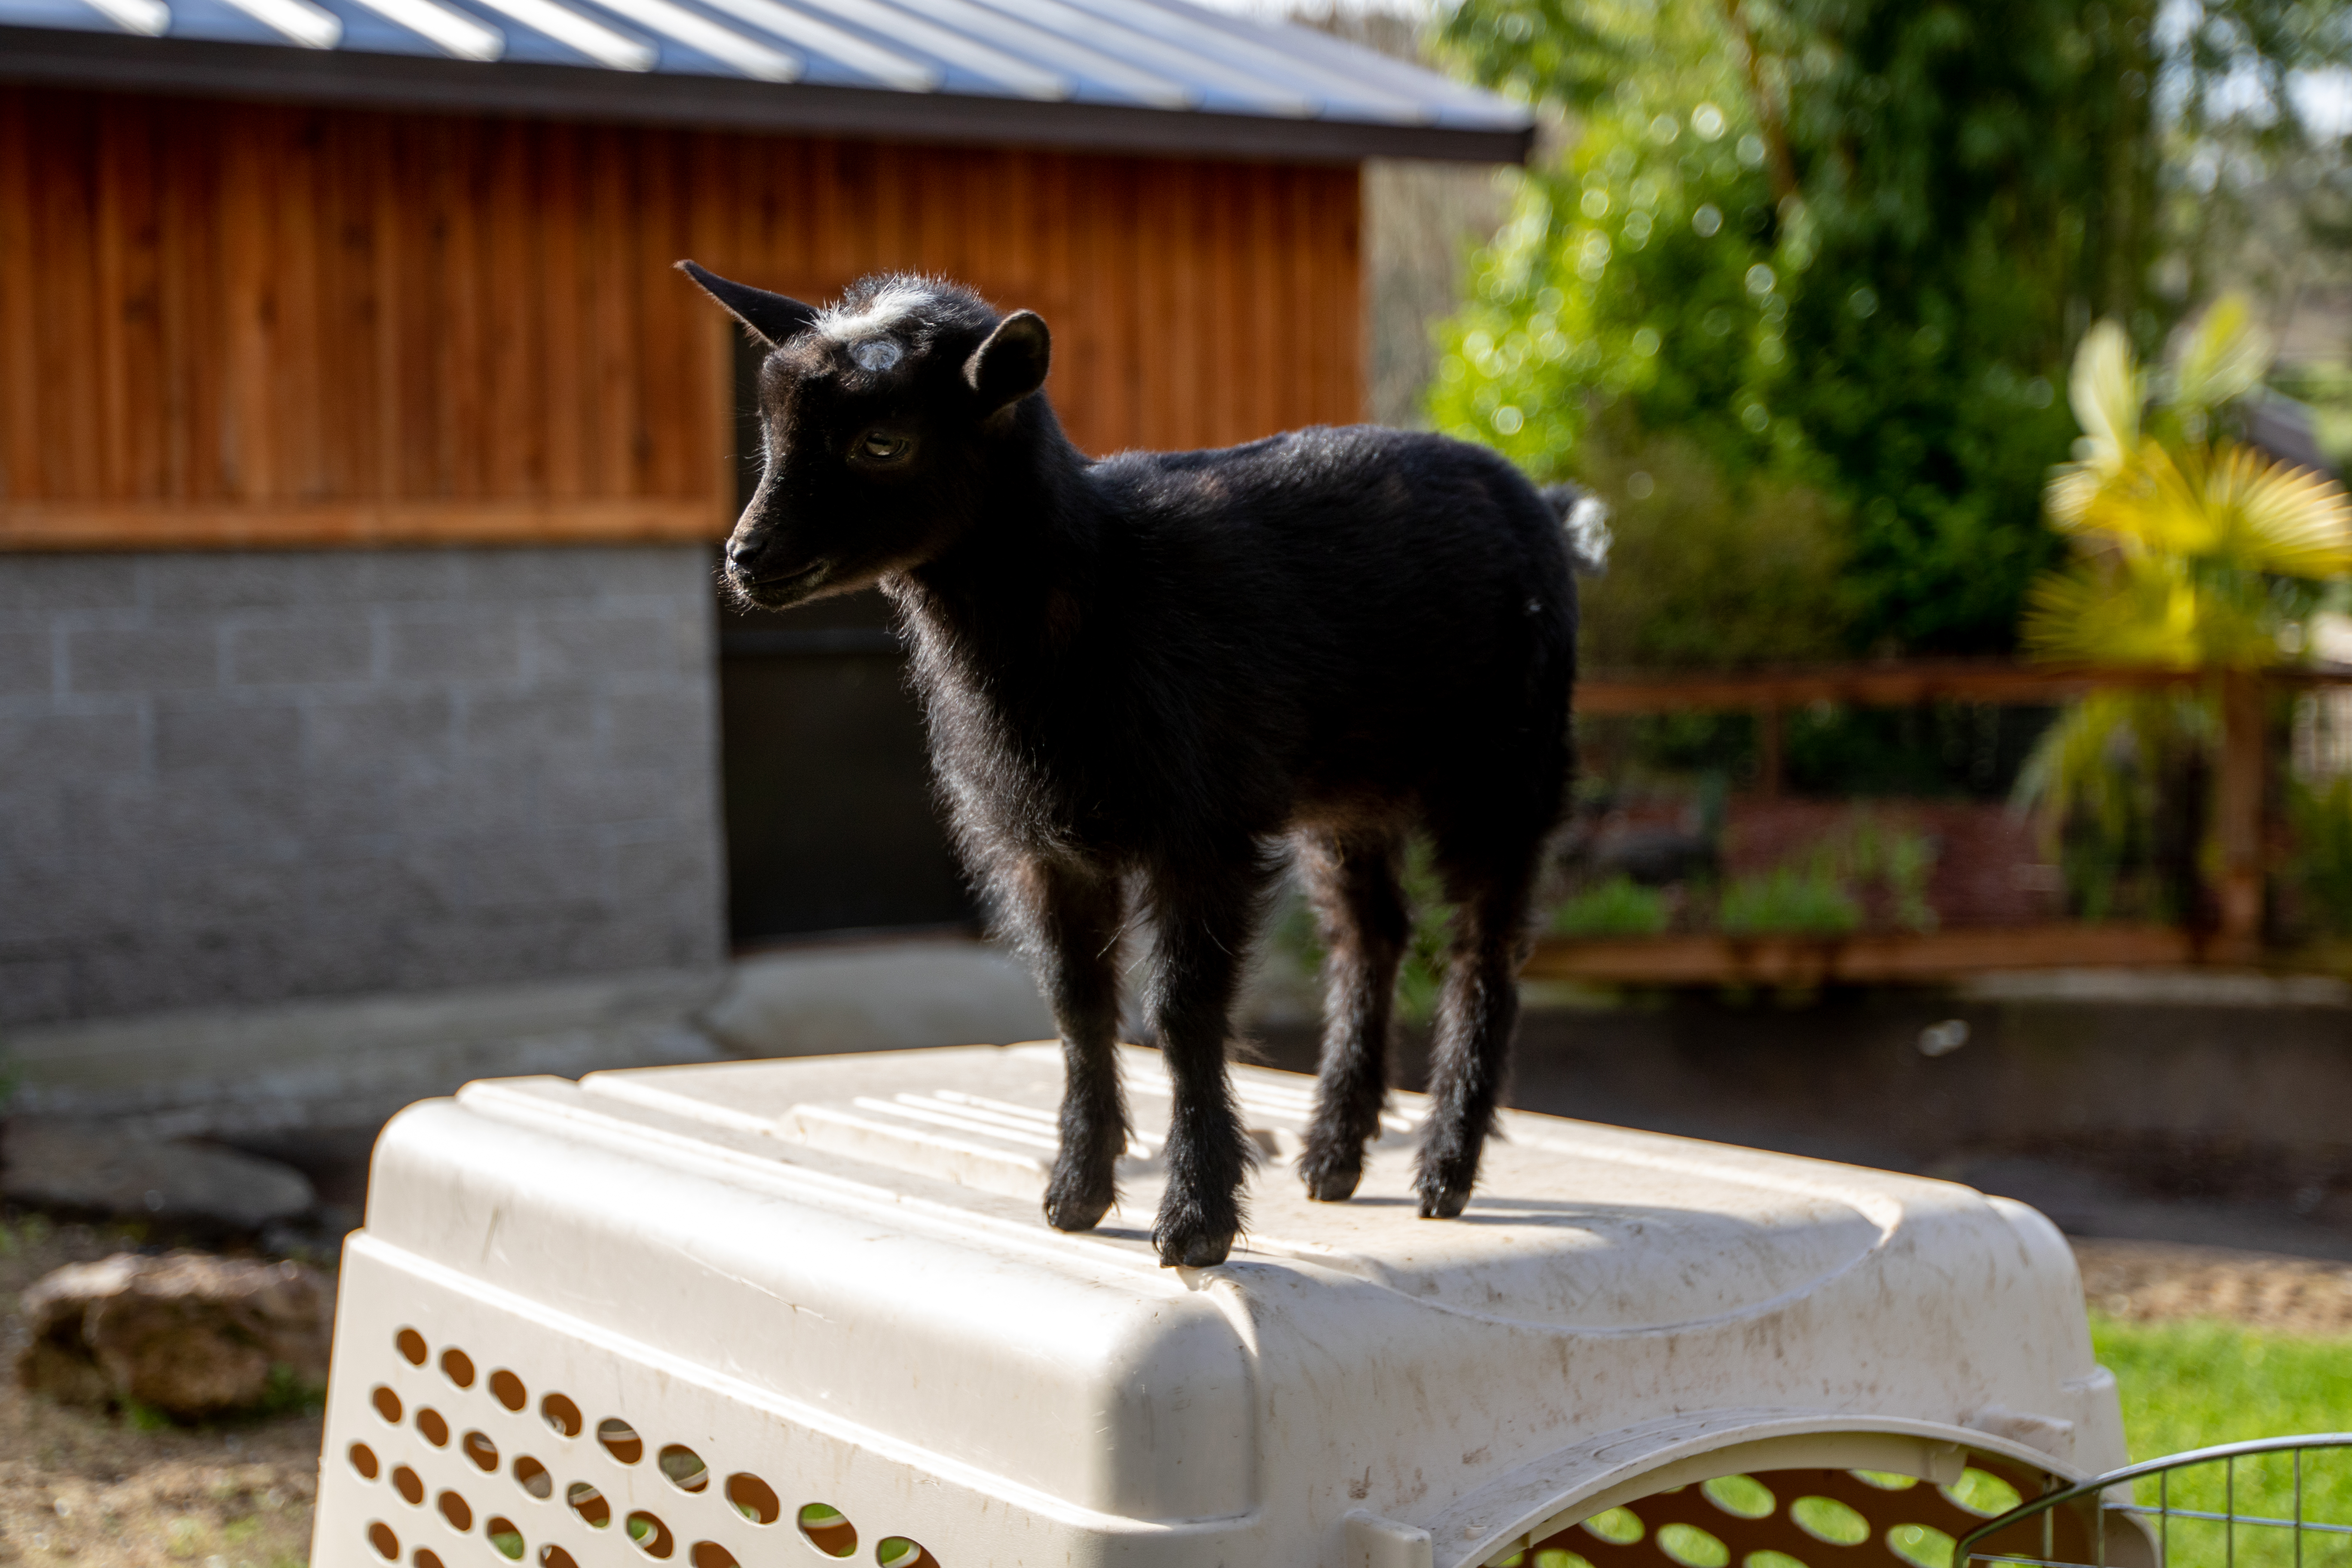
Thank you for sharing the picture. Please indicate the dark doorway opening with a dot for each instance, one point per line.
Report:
(831, 824)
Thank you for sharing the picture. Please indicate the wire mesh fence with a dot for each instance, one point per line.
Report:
(2275, 1503)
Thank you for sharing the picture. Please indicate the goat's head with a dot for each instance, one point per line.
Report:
(876, 419)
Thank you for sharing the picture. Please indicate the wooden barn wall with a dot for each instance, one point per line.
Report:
(252, 324)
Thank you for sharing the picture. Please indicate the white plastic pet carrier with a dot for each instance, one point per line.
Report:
(762, 1313)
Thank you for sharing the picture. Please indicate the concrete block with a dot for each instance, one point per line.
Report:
(557, 724)
(147, 659)
(241, 809)
(26, 663)
(301, 655)
(676, 726)
(221, 737)
(576, 798)
(42, 584)
(275, 579)
(66, 901)
(487, 648)
(375, 728)
(593, 573)
(219, 892)
(35, 986)
(68, 748)
(570, 646)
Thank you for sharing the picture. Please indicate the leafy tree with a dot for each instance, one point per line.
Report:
(1849, 245)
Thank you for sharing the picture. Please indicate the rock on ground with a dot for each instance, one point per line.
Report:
(96, 1167)
(189, 1334)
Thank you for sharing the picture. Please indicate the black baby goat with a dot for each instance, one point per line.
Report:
(1144, 671)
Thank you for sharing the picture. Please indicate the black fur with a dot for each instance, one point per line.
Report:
(1144, 672)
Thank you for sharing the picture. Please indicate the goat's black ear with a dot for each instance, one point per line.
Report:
(1012, 364)
(772, 316)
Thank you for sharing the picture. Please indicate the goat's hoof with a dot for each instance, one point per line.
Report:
(1201, 1251)
(1075, 1214)
(1332, 1184)
(1446, 1203)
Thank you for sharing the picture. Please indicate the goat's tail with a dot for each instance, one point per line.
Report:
(1584, 517)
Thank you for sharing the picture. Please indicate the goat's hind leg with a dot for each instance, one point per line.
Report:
(1477, 1012)
(1070, 925)
(1353, 881)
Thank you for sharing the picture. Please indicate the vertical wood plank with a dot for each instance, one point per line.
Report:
(214, 303)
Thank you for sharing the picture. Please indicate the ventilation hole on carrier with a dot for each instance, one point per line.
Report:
(1922, 1545)
(1826, 1519)
(455, 1510)
(532, 1476)
(1743, 1496)
(1617, 1526)
(651, 1535)
(480, 1449)
(562, 1415)
(710, 1554)
(457, 1367)
(1693, 1547)
(1559, 1557)
(386, 1402)
(363, 1460)
(898, 1551)
(1980, 1491)
(555, 1557)
(684, 1468)
(755, 1499)
(589, 1504)
(425, 1557)
(1782, 1560)
(436, 1430)
(1886, 1480)
(508, 1389)
(407, 1483)
(386, 1544)
(411, 1345)
(827, 1530)
(506, 1538)
(620, 1439)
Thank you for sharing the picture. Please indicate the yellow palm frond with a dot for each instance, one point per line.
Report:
(2222, 359)
(2276, 518)
(2105, 390)
(2126, 611)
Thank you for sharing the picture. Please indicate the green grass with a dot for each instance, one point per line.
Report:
(2193, 1385)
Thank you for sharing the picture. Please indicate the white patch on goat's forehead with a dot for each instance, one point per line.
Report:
(892, 303)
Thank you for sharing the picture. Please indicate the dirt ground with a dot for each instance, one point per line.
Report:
(2145, 1282)
(81, 1488)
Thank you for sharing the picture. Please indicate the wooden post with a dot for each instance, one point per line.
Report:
(1770, 767)
(2238, 819)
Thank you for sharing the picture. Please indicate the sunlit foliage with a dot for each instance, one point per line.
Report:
(1849, 245)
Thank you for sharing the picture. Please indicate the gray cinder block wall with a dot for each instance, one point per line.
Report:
(244, 777)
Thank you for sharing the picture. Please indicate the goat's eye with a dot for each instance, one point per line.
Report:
(883, 446)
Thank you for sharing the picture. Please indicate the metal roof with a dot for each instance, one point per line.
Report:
(1149, 74)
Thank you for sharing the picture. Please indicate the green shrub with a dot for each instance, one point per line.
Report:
(2321, 816)
(1789, 903)
(1619, 907)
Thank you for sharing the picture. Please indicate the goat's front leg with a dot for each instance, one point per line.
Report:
(1204, 929)
(1069, 920)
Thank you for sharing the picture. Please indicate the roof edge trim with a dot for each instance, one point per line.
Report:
(205, 68)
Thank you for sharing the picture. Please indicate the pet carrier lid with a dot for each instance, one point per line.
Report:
(861, 1235)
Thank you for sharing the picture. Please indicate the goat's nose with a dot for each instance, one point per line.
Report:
(739, 551)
